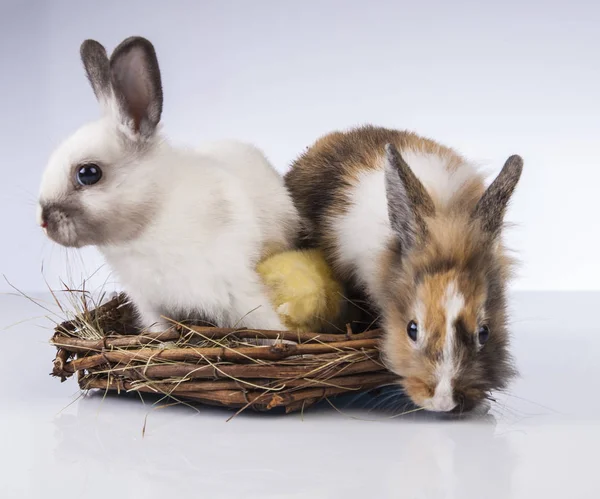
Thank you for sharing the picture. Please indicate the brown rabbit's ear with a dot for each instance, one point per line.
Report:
(97, 67)
(136, 83)
(407, 199)
(491, 207)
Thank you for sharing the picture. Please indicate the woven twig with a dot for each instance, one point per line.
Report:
(217, 366)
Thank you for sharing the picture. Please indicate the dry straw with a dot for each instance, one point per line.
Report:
(217, 366)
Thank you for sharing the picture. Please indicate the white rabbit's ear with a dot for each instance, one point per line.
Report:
(97, 68)
(136, 86)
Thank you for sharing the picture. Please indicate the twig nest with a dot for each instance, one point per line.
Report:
(217, 366)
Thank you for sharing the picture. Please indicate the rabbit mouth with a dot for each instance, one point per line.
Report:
(60, 226)
(63, 232)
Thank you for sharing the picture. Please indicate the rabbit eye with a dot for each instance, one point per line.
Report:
(89, 174)
(412, 329)
(484, 334)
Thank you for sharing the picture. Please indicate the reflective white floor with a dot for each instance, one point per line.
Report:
(540, 441)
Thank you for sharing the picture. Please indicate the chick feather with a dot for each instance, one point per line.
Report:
(302, 289)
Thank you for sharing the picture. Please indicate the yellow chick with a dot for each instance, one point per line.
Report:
(303, 289)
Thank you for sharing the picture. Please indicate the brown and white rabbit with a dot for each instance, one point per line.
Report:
(411, 223)
(182, 229)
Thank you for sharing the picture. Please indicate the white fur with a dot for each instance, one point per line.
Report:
(368, 212)
(432, 170)
(419, 313)
(443, 399)
(218, 208)
(364, 230)
(190, 258)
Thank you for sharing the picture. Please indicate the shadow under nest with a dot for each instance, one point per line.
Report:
(237, 368)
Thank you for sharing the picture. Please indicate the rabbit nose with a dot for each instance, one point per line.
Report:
(43, 216)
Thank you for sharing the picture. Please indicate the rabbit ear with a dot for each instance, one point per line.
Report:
(97, 68)
(408, 201)
(491, 207)
(136, 85)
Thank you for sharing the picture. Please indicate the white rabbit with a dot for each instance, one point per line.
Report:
(183, 230)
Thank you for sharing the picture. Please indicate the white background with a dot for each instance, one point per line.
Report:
(539, 441)
(488, 78)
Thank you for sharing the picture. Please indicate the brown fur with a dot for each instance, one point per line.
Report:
(457, 244)
(456, 251)
(319, 178)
